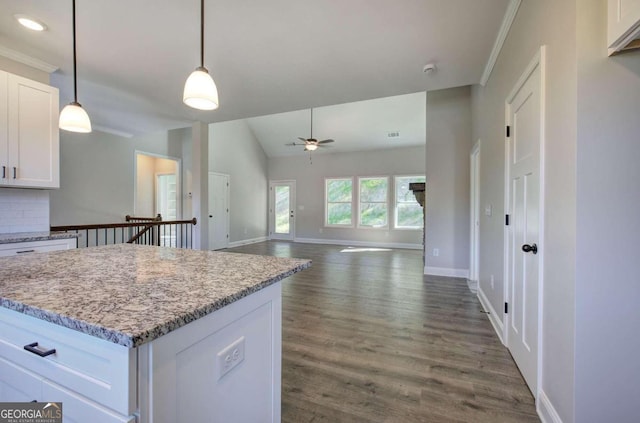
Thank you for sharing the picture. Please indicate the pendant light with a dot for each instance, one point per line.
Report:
(73, 117)
(200, 91)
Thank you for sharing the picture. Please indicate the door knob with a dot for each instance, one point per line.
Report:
(530, 248)
(210, 215)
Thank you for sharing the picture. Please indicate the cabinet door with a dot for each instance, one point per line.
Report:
(4, 130)
(77, 409)
(22, 248)
(33, 143)
(624, 21)
(17, 384)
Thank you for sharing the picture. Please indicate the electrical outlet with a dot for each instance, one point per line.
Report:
(230, 357)
(436, 252)
(491, 281)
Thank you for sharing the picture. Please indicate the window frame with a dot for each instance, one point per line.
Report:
(326, 202)
(360, 225)
(395, 204)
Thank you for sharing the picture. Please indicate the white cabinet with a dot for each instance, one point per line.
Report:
(22, 248)
(624, 25)
(179, 377)
(29, 135)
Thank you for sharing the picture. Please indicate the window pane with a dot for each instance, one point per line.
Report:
(403, 193)
(373, 190)
(339, 213)
(410, 216)
(373, 214)
(338, 190)
(282, 209)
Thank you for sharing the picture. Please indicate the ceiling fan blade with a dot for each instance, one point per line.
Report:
(326, 141)
(302, 139)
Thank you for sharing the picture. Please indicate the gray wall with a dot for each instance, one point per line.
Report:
(551, 23)
(608, 199)
(448, 157)
(310, 188)
(97, 174)
(234, 150)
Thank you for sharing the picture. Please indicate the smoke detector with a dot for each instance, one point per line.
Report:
(429, 68)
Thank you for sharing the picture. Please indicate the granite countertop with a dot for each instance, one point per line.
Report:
(35, 236)
(132, 294)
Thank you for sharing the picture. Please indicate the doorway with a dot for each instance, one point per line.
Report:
(219, 197)
(524, 229)
(474, 265)
(157, 186)
(282, 203)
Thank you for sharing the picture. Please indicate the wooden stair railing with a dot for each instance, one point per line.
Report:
(152, 231)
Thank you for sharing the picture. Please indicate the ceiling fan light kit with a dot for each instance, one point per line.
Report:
(311, 144)
(200, 91)
(73, 117)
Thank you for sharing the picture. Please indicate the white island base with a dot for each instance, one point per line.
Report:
(178, 377)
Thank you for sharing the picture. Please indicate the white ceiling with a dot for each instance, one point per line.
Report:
(265, 56)
(363, 125)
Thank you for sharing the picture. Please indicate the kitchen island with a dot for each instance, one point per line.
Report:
(144, 334)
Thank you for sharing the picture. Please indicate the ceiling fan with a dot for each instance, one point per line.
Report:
(311, 144)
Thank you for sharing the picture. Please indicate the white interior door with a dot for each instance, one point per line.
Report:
(282, 203)
(524, 117)
(219, 190)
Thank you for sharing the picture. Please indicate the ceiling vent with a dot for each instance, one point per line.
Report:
(393, 134)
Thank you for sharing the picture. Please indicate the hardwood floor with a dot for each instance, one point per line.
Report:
(368, 338)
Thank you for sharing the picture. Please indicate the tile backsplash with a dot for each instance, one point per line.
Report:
(24, 210)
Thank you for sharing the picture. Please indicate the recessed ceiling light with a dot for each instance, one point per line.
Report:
(30, 23)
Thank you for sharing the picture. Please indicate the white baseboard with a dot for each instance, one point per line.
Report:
(446, 271)
(546, 410)
(247, 241)
(494, 318)
(359, 243)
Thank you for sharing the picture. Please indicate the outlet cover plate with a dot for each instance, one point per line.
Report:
(230, 357)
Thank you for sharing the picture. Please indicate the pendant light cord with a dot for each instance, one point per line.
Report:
(75, 79)
(201, 33)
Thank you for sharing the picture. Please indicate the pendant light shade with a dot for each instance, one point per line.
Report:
(200, 92)
(73, 117)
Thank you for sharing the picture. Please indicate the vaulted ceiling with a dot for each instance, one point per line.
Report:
(266, 56)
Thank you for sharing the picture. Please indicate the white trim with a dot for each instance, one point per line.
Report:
(394, 195)
(292, 202)
(546, 410)
(16, 56)
(178, 160)
(359, 224)
(474, 215)
(247, 241)
(507, 22)
(446, 271)
(396, 245)
(326, 203)
(228, 200)
(496, 322)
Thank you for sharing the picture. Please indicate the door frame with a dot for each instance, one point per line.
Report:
(178, 161)
(271, 217)
(228, 200)
(538, 61)
(474, 242)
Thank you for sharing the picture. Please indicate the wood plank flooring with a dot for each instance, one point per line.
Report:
(368, 338)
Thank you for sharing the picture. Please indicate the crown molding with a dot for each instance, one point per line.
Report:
(16, 56)
(507, 22)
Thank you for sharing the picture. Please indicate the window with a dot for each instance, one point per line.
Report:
(409, 213)
(339, 202)
(373, 202)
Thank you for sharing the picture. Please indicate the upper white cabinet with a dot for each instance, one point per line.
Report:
(624, 25)
(29, 136)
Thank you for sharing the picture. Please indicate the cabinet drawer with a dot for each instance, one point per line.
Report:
(100, 370)
(17, 384)
(21, 248)
(76, 409)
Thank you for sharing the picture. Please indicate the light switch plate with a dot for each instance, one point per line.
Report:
(230, 357)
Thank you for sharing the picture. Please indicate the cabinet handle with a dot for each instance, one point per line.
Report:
(33, 348)
(25, 251)
(15, 170)
(4, 172)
